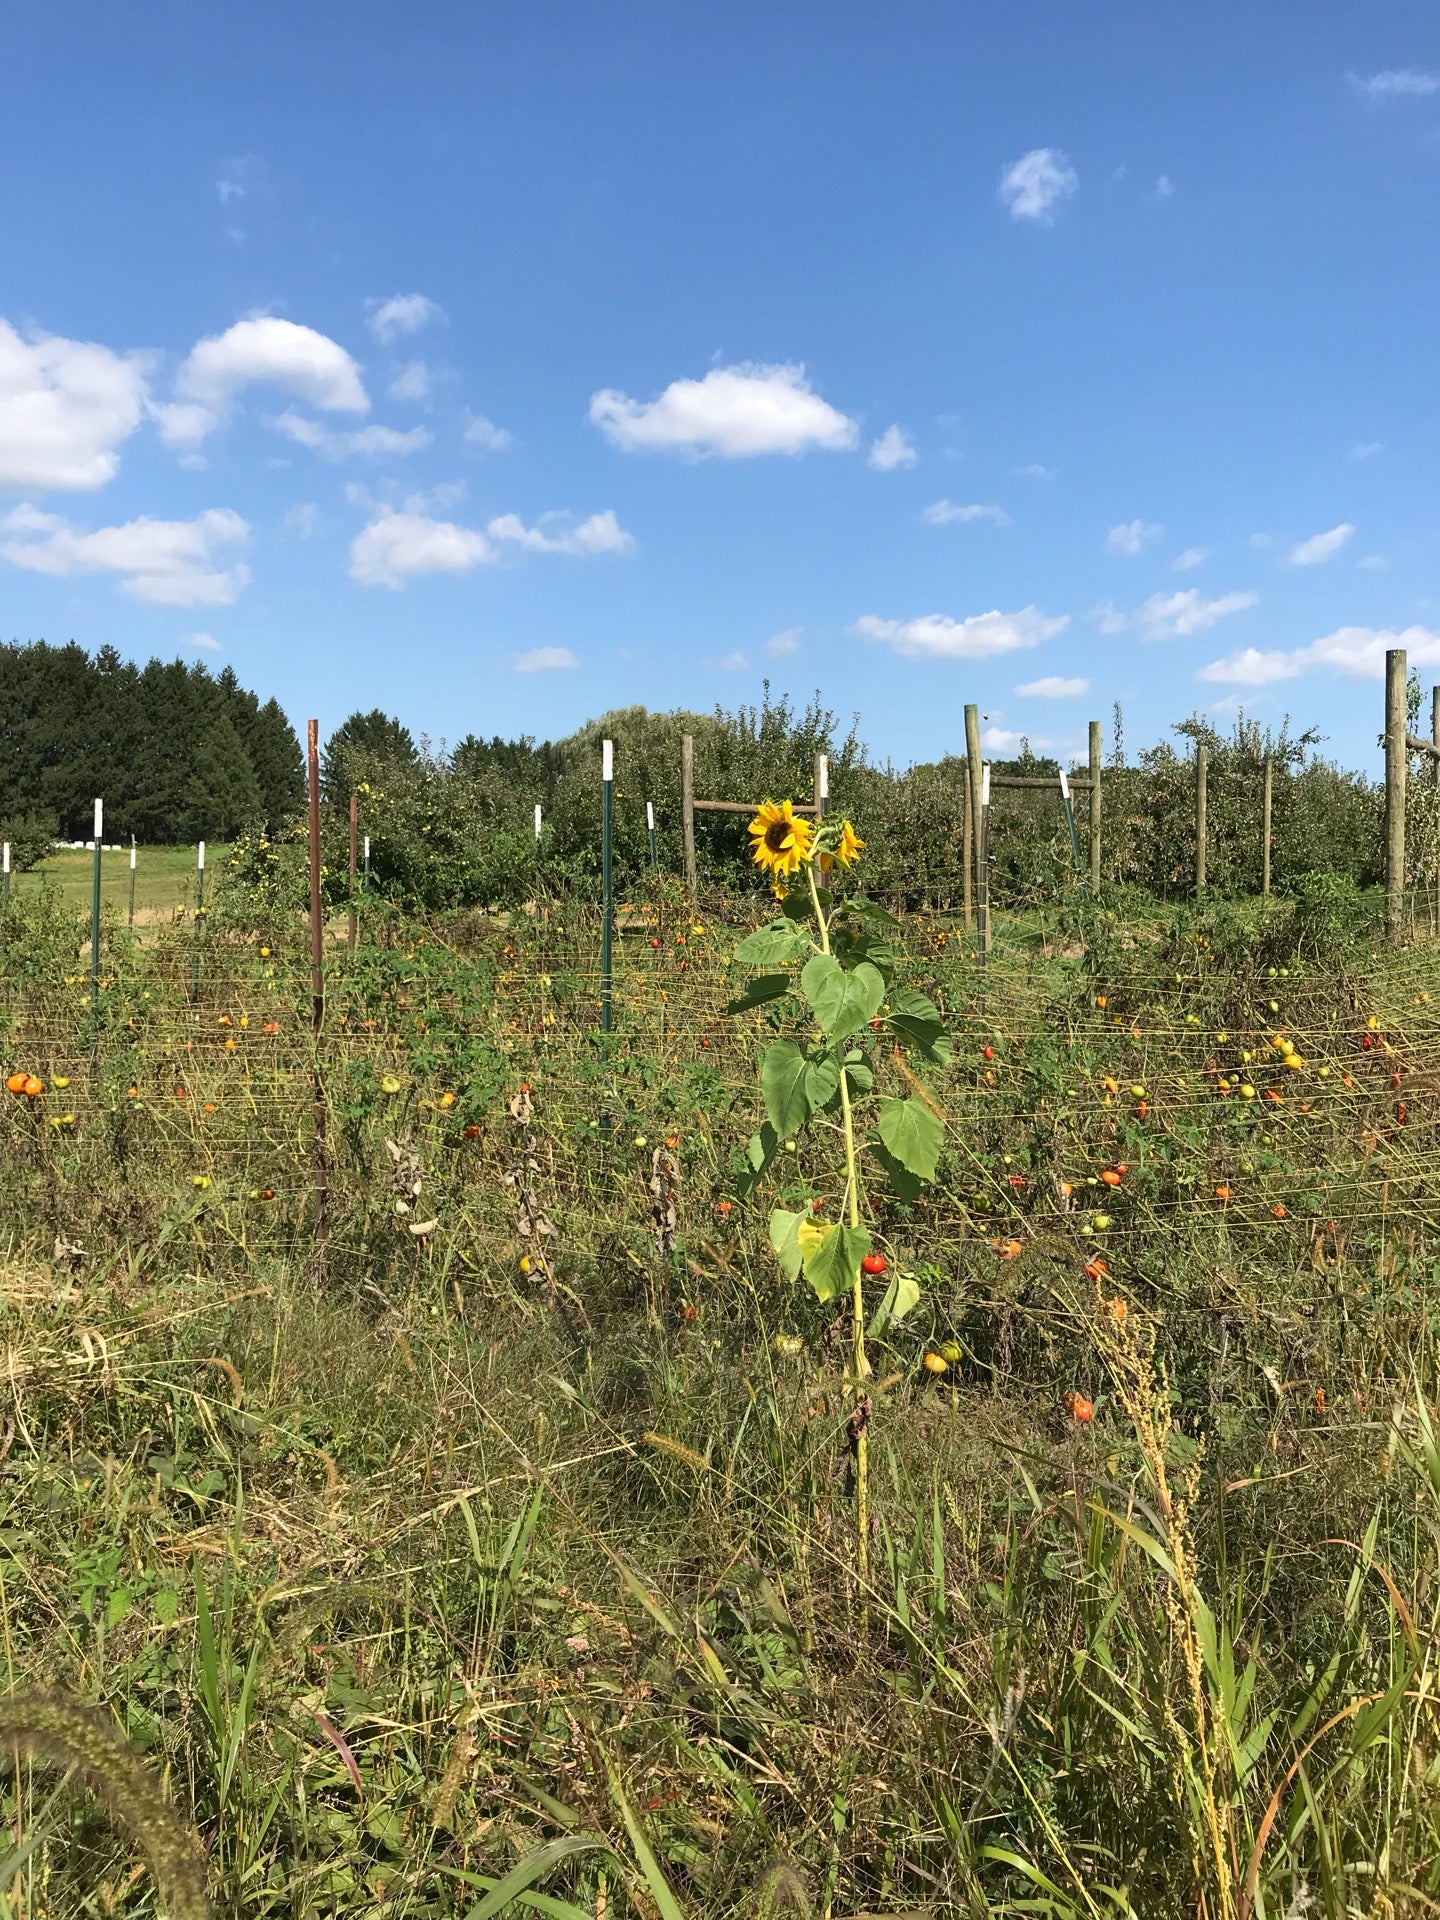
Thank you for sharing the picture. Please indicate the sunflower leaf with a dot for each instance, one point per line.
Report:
(763, 988)
(783, 1229)
(842, 1002)
(771, 945)
(822, 1079)
(783, 1073)
(915, 1019)
(913, 1135)
(832, 1257)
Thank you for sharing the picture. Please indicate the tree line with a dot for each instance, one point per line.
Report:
(455, 828)
(176, 752)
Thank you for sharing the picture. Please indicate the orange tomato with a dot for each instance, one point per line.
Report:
(16, 1083)
(1078, 1407)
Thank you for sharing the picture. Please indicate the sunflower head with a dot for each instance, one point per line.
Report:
(849, 846)
(779, 842)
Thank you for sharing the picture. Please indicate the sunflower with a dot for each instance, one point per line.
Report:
(849, 846)
(780, 842)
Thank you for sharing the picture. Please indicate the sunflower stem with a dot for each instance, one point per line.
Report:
(860, 1360)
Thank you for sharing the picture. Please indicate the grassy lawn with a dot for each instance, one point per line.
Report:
(164, 878)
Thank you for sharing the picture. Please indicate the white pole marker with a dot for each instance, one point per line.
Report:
(607, 760)
(1064, 785)
(984, 788)
(824, 776)
(6, 867)
(99, 821)
(200, 857)
(132, 853)
(537, 820)
(650, 815)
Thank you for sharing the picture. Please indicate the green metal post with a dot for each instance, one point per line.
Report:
(95, 911)
(607, 893)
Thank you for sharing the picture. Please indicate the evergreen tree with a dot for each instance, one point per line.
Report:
(361, 746)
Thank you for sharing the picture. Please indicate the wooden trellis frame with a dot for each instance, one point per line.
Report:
(690, 806)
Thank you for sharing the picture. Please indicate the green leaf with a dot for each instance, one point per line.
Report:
(533, 1867)
(915, 1019)
(764, 987)
(903, 1183)
(858, 1073)
(913, 1135)
(783, 1228)
(832, 1262)
(822, 1079)
(900, 1296)
(842, 1002)
(772, 944)
(760, 1150)
(869, 910)
(783, 1070)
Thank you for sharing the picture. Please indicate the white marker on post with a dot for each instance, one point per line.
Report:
(367, 849)
(607, 760)
(99, 821)
(200, 857)
(132, 853)
(650, 815)
(824, 777)
(6, 868)
(537, 819)
(1064, 785)
(984, 788)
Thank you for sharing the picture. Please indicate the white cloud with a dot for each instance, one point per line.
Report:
(302, 520)
(483, 433)
(601, 533)
(1036, 184)
(398, 546)
(410, 382)
(1132, 537)
(1396, 83)
(167, 563)
(784, 643)
(401, 543)
(893, 449)
(1164, 187)
(1321, 547)
(546, 660)
(945, 513)
(733, 663)
(1365, 449)
(1358, 651)
(1173, 616)
(1036, 471)
(403, 313)
(1053, 687)
(260, 351)
(1374, 563)
(734, 412)
(65, 407)
(936, 636)
(206, 642)
(1191, 558)
(1108, 617)
(1262, 542)
(372, 440)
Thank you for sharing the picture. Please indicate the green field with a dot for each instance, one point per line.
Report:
(482, 1536)
(164, 879)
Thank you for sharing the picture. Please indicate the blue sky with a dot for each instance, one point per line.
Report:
(499, 365)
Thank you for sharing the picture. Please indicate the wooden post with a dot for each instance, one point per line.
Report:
(1266, 808)
(1202, 760)
(687, 807)
(969, 855)
(353, 929)
(317, 1003)
(1094, 809)
(977, 834)
(1395, 770)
